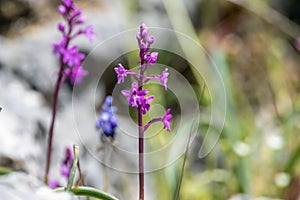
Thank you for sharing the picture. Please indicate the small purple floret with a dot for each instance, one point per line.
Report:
(121, 72)
(166, 120)
(145, 106)
(67, 163)
(151, 58)
(136, 98)
(76, 74)
(163, 78)
(89, 32)
(53, 184)
(72, 57)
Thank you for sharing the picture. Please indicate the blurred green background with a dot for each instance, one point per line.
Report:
(253, 43)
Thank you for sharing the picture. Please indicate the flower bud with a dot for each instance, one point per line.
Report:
(61, 27)
(81, 20)
(62, 9)
(145, 34)
(150, 40)
(143, 27)
(138, 36)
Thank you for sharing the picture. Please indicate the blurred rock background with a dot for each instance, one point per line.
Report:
(253, 43)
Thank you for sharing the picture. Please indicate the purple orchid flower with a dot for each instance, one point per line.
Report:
(136, 96)
(70, 55)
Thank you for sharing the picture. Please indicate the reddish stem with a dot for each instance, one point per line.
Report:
(151, 122)
(54, 107)
(141, 140)
(141, 153)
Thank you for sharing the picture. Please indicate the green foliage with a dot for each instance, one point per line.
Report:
(88, 192)
(5, 170)
(258, 152)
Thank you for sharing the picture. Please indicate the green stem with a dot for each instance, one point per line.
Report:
(293, 160)
(183, 164)
(74, 166)
(105, 168)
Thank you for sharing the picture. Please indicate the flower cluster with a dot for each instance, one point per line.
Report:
(145, 42)
(136, 97)
(107, 121)
(70, 55)
(65, 168)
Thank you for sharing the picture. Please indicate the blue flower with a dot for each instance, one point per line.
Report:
(107, 121)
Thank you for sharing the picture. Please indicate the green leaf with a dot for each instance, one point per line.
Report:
(5, 170)
(88, 192)
(73, 169)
